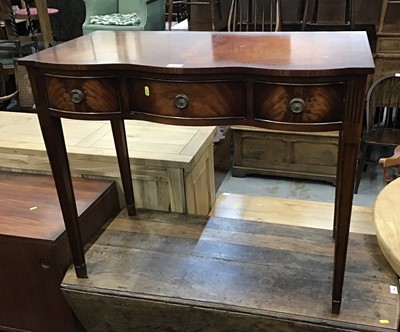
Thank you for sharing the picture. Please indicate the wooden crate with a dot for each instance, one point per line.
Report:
(172, 166)
(385, 64)
(289, 154)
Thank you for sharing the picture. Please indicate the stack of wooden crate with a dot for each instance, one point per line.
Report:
(387, 57)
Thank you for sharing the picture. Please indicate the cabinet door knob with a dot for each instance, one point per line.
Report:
(44, 264)
(181, 101)
(297, 105)
(77, 96)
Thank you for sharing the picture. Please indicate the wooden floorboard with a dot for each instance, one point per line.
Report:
(171, 272)
(289, 212)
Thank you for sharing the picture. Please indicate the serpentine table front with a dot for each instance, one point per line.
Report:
(294, 81)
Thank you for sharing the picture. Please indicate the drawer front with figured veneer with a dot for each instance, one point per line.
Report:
(323, 103)
(219, 99)
(83, 95)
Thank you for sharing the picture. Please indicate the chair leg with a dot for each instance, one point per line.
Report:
(360, 165)
(349, 20)
(170, 7)
(315, 12)
(305, 14)
(278, 15)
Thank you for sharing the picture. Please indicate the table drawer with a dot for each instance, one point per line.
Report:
(83, 95)
(222, 99)
(322, 103)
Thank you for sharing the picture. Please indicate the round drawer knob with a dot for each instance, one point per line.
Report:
(44, 264)
(297, 105)
(181, 101)
(77, 96)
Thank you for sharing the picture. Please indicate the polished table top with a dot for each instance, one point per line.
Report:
(282, 53)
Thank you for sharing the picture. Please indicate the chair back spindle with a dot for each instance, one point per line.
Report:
(255, 15)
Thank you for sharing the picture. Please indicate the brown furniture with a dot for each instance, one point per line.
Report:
(283, 81)
(213, 19)
(382, 120)
(257, 15)
(34, 249)
(40, 13)
(181, 179)
(176, 10)
(289, 154)
(11, 46)
(347, 23)
(387, 57)
(297, 13)
(387, 163)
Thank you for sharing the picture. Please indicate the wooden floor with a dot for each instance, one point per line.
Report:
(289, 212)
(172, 272)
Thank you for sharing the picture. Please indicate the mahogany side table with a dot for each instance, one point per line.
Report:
(294, 81)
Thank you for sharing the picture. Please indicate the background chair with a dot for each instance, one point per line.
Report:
(151, 14)
(382, 119)
(255, 15)
(176, 10)
(212, 21)
(9, 51)
(390, 162)
(13, 86)
(316, 24)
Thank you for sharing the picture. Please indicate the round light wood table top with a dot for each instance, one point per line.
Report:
(386, 216)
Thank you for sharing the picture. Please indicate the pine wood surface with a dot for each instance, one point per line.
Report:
(172, 166)
(386, 217)
(169, 271)
(149, 143)
(289, 212)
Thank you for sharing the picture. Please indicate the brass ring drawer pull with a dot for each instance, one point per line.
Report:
(181, 101)
(297, 105)
(77, 96)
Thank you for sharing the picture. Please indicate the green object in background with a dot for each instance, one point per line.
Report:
(116, 19)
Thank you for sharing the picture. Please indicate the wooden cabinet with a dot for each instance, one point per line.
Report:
(289, 154)
(169, 163)
(387, 57)
(34, 249)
